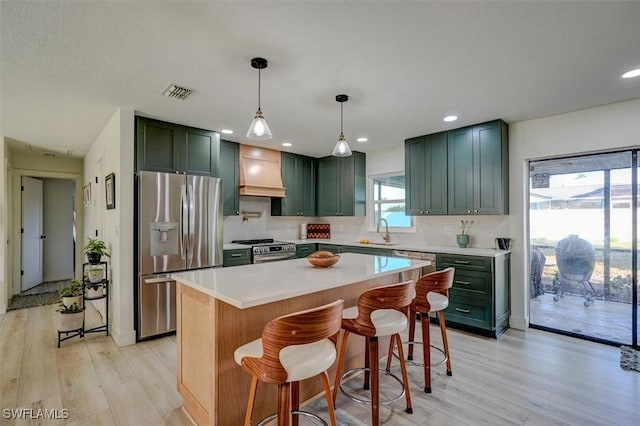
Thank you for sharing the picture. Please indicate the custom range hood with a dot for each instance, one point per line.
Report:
(260, 172)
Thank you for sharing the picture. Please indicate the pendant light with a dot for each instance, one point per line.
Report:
(342, 147)
(259, 129)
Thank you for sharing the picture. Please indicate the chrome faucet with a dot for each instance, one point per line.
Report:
(386, 237)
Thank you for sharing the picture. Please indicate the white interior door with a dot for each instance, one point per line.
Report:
(32, 232)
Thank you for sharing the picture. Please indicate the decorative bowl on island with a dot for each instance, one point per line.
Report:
(323, 259)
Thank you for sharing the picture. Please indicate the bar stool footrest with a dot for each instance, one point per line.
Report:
(355, 371)
(313, 416)
(420, 364)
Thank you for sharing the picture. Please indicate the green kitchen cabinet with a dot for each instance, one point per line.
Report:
(478, 169)
(171, 148)
(426, 175)
(342, 185)
(304, 250)
(479, 299)
(230, 174)
(299, 180)
(333, 248)
(377, 251)
(236, 257)
(157, 145)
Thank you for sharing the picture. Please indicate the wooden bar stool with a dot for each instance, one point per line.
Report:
(380, 312)
(432, 295)
(293, 347)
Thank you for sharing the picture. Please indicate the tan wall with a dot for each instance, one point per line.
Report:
(37, 161)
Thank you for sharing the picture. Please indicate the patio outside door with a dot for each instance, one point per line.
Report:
(583, 237)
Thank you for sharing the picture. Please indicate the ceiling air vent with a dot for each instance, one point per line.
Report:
(177, 92)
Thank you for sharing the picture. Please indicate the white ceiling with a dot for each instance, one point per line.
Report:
(67, 66)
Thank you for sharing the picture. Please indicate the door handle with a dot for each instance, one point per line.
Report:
(42, 237)
(461, 262)
(184, 217)
(464, 311)
(463, 282)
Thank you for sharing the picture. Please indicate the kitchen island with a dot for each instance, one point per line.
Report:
(219, 309)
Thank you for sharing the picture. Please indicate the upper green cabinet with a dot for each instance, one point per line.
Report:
(168, 147)
(341, 185)
(299, 180)
(459, 172)
(426, 175)
(229, 172)
(478, 168)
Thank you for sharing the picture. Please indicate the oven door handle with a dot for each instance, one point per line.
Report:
(262, 259)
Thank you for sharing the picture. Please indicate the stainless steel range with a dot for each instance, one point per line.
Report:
(267, 250)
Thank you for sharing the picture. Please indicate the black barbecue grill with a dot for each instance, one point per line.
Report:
(576, 259)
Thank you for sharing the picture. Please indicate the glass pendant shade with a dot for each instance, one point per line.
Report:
(342, 148)
(259, 129)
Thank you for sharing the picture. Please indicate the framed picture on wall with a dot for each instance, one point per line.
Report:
(110, 188)
(86, 194)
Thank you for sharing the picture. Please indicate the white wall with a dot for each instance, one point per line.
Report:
(57, 208)
(5, 290)
(596, 129)
(114, 149)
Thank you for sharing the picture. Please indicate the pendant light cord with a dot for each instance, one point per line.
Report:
(258, 88)
(341, 114)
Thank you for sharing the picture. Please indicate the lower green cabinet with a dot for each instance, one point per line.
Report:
(236, 257)
(479, 298)
(333, 248)
(367, 250)
(304, 250)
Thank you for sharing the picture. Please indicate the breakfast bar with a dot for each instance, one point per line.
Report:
(219, 309)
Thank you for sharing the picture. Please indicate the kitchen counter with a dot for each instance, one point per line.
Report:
(471, 251)
(220, 309)
(252, 285)
(234, 246)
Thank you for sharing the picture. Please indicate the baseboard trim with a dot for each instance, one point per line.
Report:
(519, 323)
(124, 339)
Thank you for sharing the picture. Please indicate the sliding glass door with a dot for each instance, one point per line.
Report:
(583, 236)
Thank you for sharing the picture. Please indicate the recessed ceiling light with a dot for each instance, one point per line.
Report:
(632, 73)
(450, 118)
(287, 144)
(226, 131)
(362, 139)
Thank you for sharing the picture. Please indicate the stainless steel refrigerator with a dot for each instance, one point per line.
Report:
(179, 228)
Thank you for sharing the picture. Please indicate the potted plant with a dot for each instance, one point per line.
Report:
(71, 317)
(93, 281)
(70, 292)
(95, 249)
(463, 237)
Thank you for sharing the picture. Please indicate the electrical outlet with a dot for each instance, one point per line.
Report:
(448, 229)
(426, 229)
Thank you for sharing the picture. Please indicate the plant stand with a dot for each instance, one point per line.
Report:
(86, 284)
(69, 334)
(104, 283)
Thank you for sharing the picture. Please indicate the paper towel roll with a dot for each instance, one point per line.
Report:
(303, 231)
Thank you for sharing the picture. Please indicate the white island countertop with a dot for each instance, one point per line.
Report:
(253, 285)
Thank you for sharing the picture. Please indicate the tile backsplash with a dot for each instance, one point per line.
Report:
(430, 230)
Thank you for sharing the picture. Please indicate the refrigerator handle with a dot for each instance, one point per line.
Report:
(184, 220)
(191, 225)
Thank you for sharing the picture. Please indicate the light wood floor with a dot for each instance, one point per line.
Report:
(532, 378)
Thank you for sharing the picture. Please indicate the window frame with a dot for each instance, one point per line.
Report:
(371, 208)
